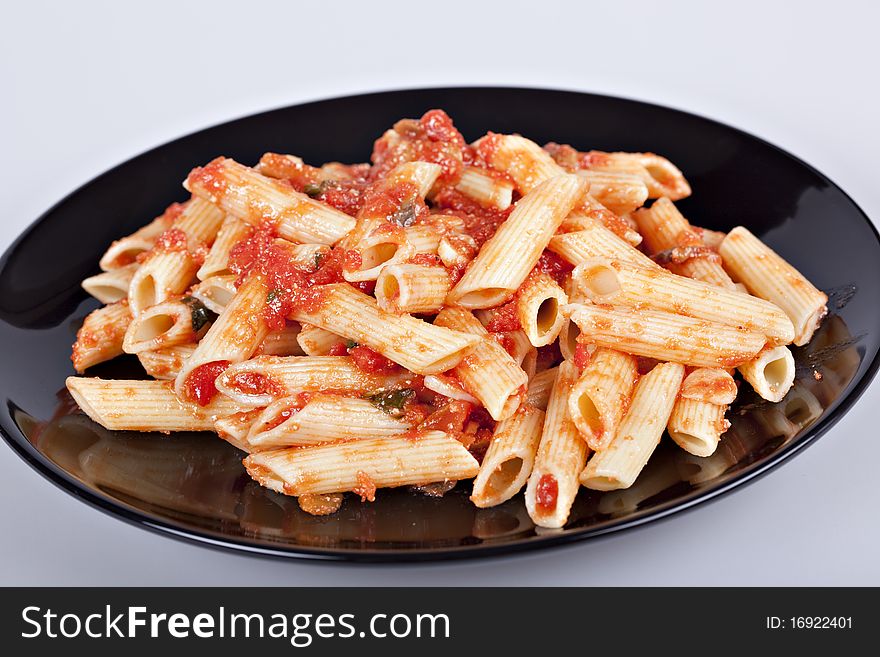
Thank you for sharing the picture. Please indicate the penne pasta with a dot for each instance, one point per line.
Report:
(618, 283)
(596, 241)
(233, 337)
(621, 192)
(162, 275)
(282, 342)
(696, 426)
(553, 483)
(412, 288)
(143, 406)
(364, 465)
(165, 363)
(256, 199)
(618, 465)
(232, 231)
(538, 306)
(509, 459)
(665, 229)
(111, 286)
(486, 188)
(601, 395)
(101, 335)
(771, 373)
(666, 336)
(412, 343)
(315, 341)
(324, 418)
(261, 380)
(768, 276)
(488, 372)
(215, 292)
(540, 385)
(506, 259)
(164, 325)
(125, 251)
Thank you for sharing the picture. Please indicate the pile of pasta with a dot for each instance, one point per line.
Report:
(523, 316)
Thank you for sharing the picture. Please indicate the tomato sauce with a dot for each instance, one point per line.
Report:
(504, 319)
(554, 266)
(546, 493)
(255, 383)
(199, 386)
(433, 138)
(172, 239)
(450, 418)
(371, 361)
(426, 260)
(479, 222)
(582, 355)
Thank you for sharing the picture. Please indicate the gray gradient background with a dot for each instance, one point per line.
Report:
(86, 87)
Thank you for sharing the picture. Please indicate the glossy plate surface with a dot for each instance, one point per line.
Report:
(193, 486)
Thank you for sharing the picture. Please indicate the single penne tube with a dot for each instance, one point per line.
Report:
(393, 197)
(363, 465)
(165, 363)
(508, 461)
(418, 346)
(538, 305)
(315, 341)
(619, 191)
(111, 286)
(540, 386)
(601, 395)
(488, 372)
(200, 221)
(769, 276)
(661, 176)
(666, 336)
(516, 343)
(234, 428)
(505, 260)
(164, 325)
(619, 283)
(143, 405)
(164, 274)
(282, 342)
(232, 231)
(412, 288)
(771, 373)
(233, 337)
(696, 426)
(125, 251)
(324, 418)
(101, 335)
(486, 188)
(638, 435)
(256, 199)
(261, 380)
(377, 250)
(553, 482)
(665, 229)
(596, 241)
(215, 292)
(659, 475)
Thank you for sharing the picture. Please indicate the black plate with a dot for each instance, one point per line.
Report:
(193, 486)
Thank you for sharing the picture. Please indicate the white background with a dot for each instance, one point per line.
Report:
(86, 85)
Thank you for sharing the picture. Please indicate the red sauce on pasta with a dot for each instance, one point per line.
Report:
(426, 260)
(199, 386)
(554, 265)
(209, 177)
(255, 383)
(582, 355)
(504, 319)
(546, 493)
(371, 361)
(172, 239)
(479, 222)
(338, 349)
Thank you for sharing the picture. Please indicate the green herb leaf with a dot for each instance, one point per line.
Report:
(199, 314)
(312, 189)
(351, 344)
(273, 294)
(318, 258)
(391, 401)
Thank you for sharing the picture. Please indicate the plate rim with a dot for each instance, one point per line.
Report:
(240, 545)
